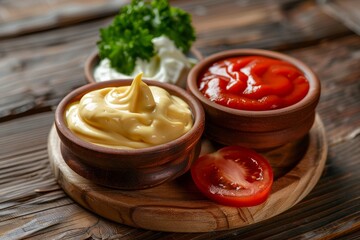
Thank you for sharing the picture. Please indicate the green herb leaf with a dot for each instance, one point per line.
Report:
(129, 36)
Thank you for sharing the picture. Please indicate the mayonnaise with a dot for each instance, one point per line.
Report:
(129, 117)
(168, 65)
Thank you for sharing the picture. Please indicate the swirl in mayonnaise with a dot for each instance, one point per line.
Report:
(129, 117)
(168, 65)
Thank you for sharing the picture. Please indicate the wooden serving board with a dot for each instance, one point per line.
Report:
(178, 206)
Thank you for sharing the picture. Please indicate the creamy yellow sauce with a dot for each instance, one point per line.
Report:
(129, 117)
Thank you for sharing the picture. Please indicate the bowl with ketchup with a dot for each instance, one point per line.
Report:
(255, 98)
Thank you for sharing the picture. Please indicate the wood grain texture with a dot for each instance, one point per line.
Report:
(16, 19)
(177, 206)
(330, 210)
(31, 202)
(337, 64)
(346, 11)
(266, 24)
(38, 69)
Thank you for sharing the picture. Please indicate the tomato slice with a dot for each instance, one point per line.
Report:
(233, 176)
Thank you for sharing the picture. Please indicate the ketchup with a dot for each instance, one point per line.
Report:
(253, 83)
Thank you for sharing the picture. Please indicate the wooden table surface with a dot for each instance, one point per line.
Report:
(43, 47)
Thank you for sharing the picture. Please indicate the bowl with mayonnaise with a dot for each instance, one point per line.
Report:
(153, 38)
(129, 134)
(170, 65)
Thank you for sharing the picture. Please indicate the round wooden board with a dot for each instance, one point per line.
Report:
(178, 206)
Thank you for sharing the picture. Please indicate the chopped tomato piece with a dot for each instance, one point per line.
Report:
(234, 176)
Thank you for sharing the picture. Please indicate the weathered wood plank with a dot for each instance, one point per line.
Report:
(337, 64)
(37, 70)
(261, 24)
(30, 133)
(330, 209)
(179, 207)
(346, 11)
(16, 19)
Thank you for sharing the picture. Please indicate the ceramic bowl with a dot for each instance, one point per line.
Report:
(256, 129)
(134, 168)
(93, 60)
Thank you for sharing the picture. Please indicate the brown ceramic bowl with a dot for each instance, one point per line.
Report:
(134, 168)
(93, 60)
(256, 129)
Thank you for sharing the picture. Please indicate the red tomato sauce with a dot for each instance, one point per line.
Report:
(253, 83)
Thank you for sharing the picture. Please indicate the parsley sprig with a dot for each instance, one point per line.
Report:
(129, 36)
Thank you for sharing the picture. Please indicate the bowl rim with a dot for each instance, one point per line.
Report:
(90, 62)
(195, 106)
(93, 59)
(311, 97)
